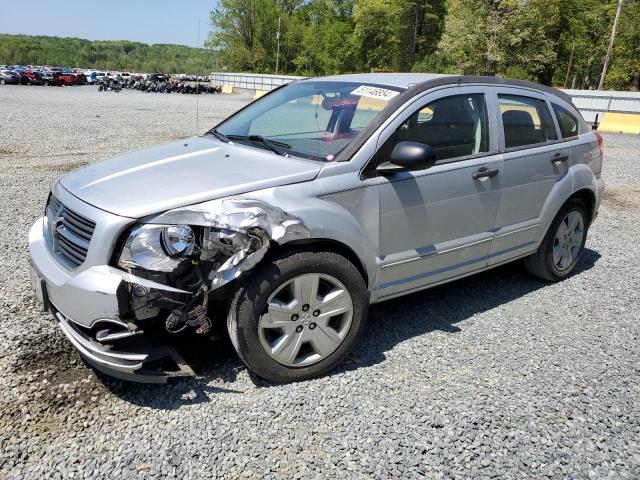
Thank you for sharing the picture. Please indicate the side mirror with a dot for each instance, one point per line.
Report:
(407, 156)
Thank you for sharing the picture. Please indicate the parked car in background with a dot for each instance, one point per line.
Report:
(9, 77)
(94, 76)
(285, 221)
(81, 78)
(68, 78)
(50, 78)
(32, 77)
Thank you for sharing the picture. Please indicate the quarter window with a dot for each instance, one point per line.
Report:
(454, 126)
(526, 121)
(569, 125)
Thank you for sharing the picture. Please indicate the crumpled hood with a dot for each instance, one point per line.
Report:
(190, 171)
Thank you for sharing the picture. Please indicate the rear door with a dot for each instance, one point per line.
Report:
(535, 159)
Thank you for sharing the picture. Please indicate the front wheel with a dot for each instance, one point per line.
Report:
(298, 316)
(563, 244)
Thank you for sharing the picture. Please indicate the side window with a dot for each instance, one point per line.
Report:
(569, 125)
(526, 121)
(455, 126)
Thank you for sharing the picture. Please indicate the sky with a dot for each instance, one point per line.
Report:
(148, 21)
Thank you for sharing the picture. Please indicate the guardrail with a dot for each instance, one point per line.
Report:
(251, 81)
(592, 102)
(589, 102)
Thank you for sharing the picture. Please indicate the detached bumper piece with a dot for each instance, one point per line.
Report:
(138, 361)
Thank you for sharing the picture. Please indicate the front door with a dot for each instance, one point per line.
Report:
(437, 223)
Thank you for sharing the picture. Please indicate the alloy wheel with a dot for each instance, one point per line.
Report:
(568, 240)
(306, 319)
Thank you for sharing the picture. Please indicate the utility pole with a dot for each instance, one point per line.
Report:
(613, 37)
(278, 48)
(198, 86)
(566, 78)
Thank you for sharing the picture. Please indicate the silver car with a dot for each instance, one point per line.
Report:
(285, 221)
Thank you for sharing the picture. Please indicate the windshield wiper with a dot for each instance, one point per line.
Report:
(273, 145)
(219, 135)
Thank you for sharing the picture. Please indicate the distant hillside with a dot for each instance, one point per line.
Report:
(104, 54)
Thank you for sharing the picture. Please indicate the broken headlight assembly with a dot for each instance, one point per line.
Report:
(197, 249)
(192, 259)
(158, 248)
(180, 257)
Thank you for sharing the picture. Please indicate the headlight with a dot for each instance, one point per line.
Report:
(159, 248)
(178, 240)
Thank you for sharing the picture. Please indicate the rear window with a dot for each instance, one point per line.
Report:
(569, 125)
(526, 121)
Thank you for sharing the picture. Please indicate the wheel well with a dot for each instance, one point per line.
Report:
(324, 245)
(588, 198)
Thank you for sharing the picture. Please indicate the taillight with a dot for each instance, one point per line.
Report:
(600, 143)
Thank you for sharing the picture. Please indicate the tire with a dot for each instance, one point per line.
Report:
(252, 303)
(544, 263)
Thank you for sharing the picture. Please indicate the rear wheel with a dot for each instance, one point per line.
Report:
(563, 244)
(298, 316)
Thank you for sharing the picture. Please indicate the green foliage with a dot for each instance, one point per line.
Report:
(528, 39)
(104, 55)
(325, 36)
(625, 66)
(433, 63)
(533, 39)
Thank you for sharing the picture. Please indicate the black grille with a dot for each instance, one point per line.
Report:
(70, 233)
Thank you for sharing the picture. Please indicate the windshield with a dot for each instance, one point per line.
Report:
(314, 120)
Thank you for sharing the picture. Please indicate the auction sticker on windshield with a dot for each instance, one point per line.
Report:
(374, 92)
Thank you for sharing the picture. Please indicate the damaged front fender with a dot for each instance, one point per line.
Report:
(241, 229)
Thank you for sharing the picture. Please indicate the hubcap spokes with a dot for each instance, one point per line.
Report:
(306, 319)
(568, 241)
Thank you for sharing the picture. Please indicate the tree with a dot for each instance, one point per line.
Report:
(377, 23)
(477, 38)
(625, 66)
(328, 42)
(108, 55)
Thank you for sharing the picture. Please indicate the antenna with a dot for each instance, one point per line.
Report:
(197, 86)
(278, 50)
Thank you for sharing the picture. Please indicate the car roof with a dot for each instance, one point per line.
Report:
(431, 80)
(401, 80)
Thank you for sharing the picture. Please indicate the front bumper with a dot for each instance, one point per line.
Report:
(140, 363)
(85, 305)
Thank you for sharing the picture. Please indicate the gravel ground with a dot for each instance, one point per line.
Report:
(497, 375)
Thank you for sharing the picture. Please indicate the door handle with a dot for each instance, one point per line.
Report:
(484, 172)
(559, 158)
